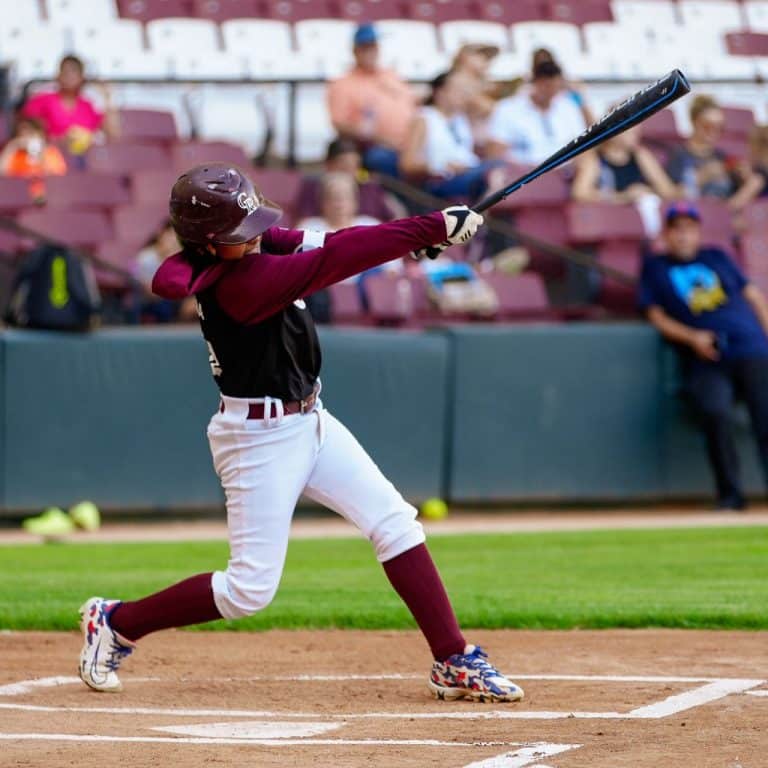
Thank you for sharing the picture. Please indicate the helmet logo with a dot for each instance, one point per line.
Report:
(247, 203)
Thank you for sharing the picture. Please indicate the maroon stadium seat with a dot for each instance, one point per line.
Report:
(81, 229)
(224, 10)
(551, 189)
(505, 12)
(390, 299)
(437, 12)
(661, 128)
(739, 122)
(615, 296)
(127, 158)
(122, 256)
(756, 216)
(370, 10)
(14, 194)
(521, 297)
(86, 190)
(150, 125)
(549, 225)
(191, 153)
(735, 148)
(5, 129)
(138, 224)
(298, 10)
(579, 11)
(747, 43)
(716, 223)
(152, 186)
(597, 222)
(281, 186)
(345, 303)
(147, 10)
(754, 253)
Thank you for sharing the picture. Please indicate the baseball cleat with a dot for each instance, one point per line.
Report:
(469, 676)
(103, 649)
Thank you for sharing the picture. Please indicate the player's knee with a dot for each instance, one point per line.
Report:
(394, 534)
(246, 593)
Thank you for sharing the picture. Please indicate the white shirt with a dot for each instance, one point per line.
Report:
(447, 141)
(532, 134)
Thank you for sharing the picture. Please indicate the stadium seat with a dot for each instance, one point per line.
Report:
(411, 48)
(754, 253)
(747, 43)
(370, 10)
(80, 229)
(550, 189)
(439, 11)
(122, 256)
(617, 297)
(153, 187)
(644, 14)
(190, 153)
(756, 15)
(208, 65)
(32, 41)
(550, 226)
(14, 195)
(345, 304)
(71, 13)
(26, 14)
(86, 190)
(661, 129)
(150, 125)
(92, 38)
(756, 216)
(390, 299)
(562, 39)
(521, 297)
(127, 158)
(127, 64)
(739, 122)
(328, 42)
(268, 37)
(597, 222)
(224, 10)
(579, 11)
(138, 224)
(297, 10)
(281, 186)
(454, 34)
(717, 227)
(182, 35)
(715, 15)
(147, 10)
(505, 12)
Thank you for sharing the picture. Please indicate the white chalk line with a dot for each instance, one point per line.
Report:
(27, 686)
(757, 693)
(524, 757)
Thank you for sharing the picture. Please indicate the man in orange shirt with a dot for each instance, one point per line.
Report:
(372, 105)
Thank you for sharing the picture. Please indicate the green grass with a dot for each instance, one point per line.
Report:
(715, 578)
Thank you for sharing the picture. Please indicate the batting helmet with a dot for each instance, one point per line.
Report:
(217, 203)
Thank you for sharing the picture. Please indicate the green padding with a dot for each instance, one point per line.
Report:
(389, 388)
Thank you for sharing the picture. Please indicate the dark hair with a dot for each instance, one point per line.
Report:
(340, 146)
(70, 58)
(547, 69)
(21, 119)
(437, 84)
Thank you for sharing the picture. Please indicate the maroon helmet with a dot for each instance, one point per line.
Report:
(217, 203)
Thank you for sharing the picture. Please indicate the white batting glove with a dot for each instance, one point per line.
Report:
(461, 223)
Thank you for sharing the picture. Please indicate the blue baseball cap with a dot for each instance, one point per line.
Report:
(681, 210)
(366, 34)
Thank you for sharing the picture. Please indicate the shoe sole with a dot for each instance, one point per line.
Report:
(83, 610)
(454, 694)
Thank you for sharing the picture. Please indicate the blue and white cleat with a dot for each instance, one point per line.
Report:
(103, 649)
(469, 675)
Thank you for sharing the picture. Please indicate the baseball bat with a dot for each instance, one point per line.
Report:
(638, 107)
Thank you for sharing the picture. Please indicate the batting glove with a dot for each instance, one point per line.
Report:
(461, 223)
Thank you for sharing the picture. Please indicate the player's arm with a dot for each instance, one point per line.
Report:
(258, 287)
(703, 343)
(283, 240)
(758, 302)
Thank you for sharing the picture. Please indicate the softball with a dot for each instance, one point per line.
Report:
(434, 509)
(85, 514)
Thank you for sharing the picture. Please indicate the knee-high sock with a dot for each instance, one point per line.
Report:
(415, 578)
(188, 602)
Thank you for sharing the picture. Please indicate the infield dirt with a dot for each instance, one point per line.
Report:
(295, 679)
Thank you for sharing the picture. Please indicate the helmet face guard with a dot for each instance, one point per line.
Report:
(217, 204)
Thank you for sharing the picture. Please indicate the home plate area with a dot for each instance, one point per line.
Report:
(204, 705)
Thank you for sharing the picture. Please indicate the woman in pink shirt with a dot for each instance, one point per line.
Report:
(66, 114)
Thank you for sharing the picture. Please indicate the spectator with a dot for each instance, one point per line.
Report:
(623, 171)
(372, 105)
(572, 88)
(703, 170)
(472, 61)
(29, 155)
(440, 146)
(528, 127)
(700, 301)
(343, 156)
(758, 155)
(68, 115)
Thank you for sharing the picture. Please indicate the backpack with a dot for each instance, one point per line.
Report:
(54, 289)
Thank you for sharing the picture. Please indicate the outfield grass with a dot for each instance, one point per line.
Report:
(716, 578)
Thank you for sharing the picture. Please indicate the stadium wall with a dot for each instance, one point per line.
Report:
(480, 413)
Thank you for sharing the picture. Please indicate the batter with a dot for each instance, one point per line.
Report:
(271, 439)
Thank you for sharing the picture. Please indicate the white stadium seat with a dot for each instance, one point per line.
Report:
(170, 35)
(20, 38)
(508, 66)
(644, 13)
(560, 38)
(70, 13)
(756, 15)
(116, 36)
(36, 63)
(325, 45)
(25, 13)
(403, 38)
(454, 34)
(208, 66)
(252, 37)
(711, 14)
(602, 38)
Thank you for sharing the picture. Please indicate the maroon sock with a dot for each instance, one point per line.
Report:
(416, 580)
(188, 602)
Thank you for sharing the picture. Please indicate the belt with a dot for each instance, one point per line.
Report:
(256, 410)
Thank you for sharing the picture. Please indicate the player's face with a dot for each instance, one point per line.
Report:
(683, 238)
(234, 252)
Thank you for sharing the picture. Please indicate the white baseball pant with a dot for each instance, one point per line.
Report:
(264, 466)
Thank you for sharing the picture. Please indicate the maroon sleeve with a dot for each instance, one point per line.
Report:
(281, 240)
(263, 284)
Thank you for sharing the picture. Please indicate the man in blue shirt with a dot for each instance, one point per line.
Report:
(699, 300)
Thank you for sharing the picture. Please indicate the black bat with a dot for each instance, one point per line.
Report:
(638, 107)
